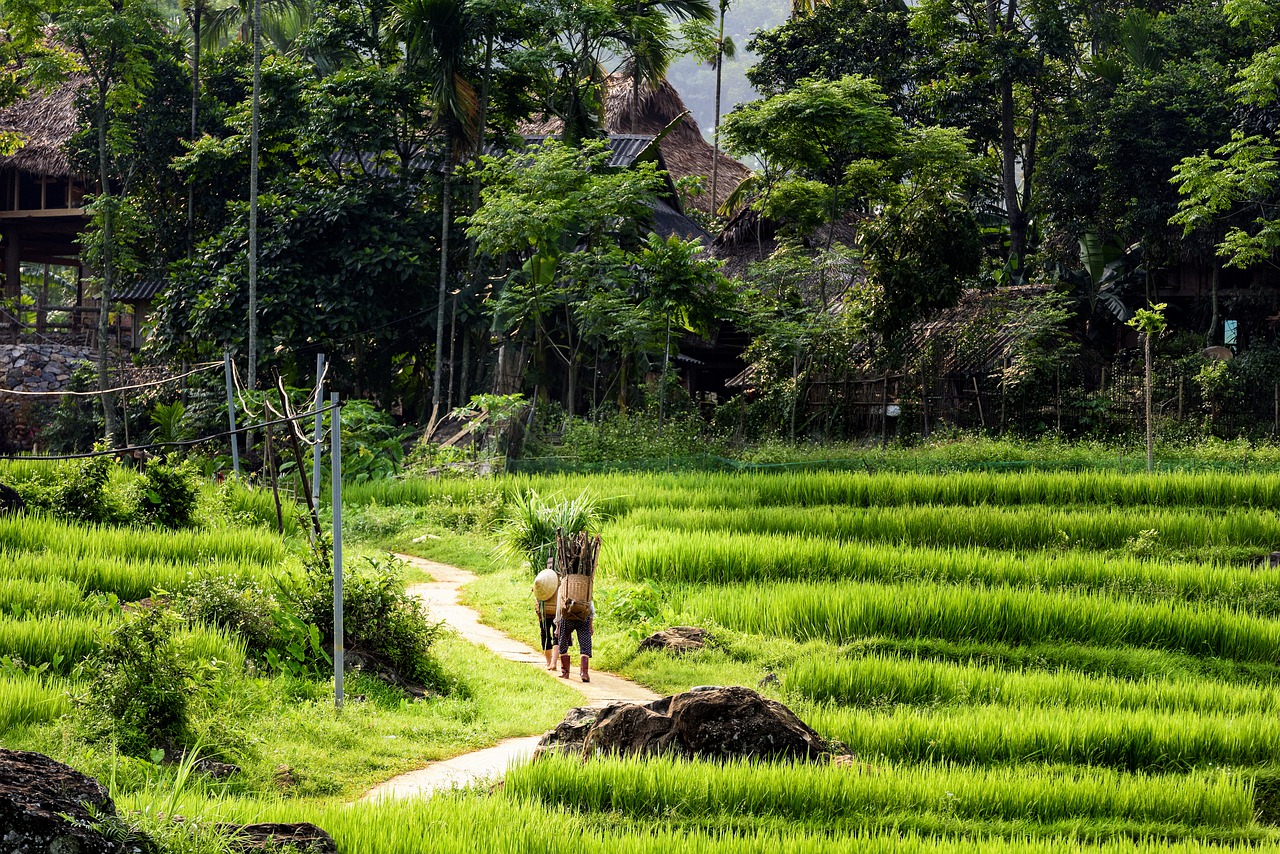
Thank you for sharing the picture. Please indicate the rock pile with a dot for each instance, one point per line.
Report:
(708, 723)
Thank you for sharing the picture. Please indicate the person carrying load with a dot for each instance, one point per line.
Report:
(575, 559)
(545, 587)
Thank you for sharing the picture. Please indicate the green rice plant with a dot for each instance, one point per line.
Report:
(60, 643)
(35, 533)
(1133, 740)
(985, 526)
(210, 644)
(28, 699)
(1128, 663)
(130, 580)
(862, 489)
(650, 786)
(717, 558)
(880, 680)
(845, 611)
(19, 596)
(464, 824)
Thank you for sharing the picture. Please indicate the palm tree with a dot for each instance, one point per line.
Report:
(646, 36)
(439, 37)
(725, 49)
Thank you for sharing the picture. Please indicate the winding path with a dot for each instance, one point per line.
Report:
(442, 599)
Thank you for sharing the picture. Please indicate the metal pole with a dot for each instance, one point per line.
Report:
(316, 450)
(231, 414)
(335, 474)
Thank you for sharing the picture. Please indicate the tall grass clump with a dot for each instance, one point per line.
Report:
(848, 611)
(19, 596)
(36, 533)
(532, 522)
(862, 489)
(462, 824)
(130, 580)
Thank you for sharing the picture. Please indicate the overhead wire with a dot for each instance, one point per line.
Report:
(183, 443)
(203, 367)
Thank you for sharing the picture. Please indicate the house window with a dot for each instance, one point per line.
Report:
(1229, 333)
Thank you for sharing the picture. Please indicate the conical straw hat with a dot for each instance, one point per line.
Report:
(546, 584)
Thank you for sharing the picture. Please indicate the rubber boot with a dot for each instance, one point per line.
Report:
(564, 666)
(550, 664)
(586, 677)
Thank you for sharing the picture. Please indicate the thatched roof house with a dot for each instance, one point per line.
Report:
(41, 200)
(46, 121)
(684, 150)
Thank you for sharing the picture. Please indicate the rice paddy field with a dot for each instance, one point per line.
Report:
(1017, 661)
(1074, 660)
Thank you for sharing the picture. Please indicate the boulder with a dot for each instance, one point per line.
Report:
(677, 639)
(708, 723)
(569, 734)
(291, 838)
(49, 808)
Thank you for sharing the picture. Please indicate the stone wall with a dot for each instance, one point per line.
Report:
(32, 367)
(40, 367)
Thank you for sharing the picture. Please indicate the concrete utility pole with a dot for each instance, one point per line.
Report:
(254, 123)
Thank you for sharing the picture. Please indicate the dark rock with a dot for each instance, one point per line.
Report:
(1270, 561)
(293, 838)
(677, 639)
(569, 734)
(711, 723)
(10, 501)
(215, 769)
(49, 808)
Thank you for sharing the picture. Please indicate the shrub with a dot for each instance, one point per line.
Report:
(237, 605)
(77, 492)
(379, 617)
(169, 494)
(138, 686)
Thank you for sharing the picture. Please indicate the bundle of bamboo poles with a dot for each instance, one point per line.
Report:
(576, 554)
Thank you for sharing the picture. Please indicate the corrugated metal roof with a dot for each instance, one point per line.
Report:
(668, 221)
(143, 291)
(624, 149)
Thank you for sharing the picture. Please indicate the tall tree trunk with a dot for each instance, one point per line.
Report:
(255, 119)
(443, 294)
(795, 391)
(666, 361)
(1150, 431)
(196, 11)
(715, 134)
(108, 271)
(1212, 337)
(466, 367)
(1014, 210)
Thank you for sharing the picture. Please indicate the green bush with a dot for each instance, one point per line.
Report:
(168, 494)
(138, 686)
(379, 618)
(77, 492)
(240, 606)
